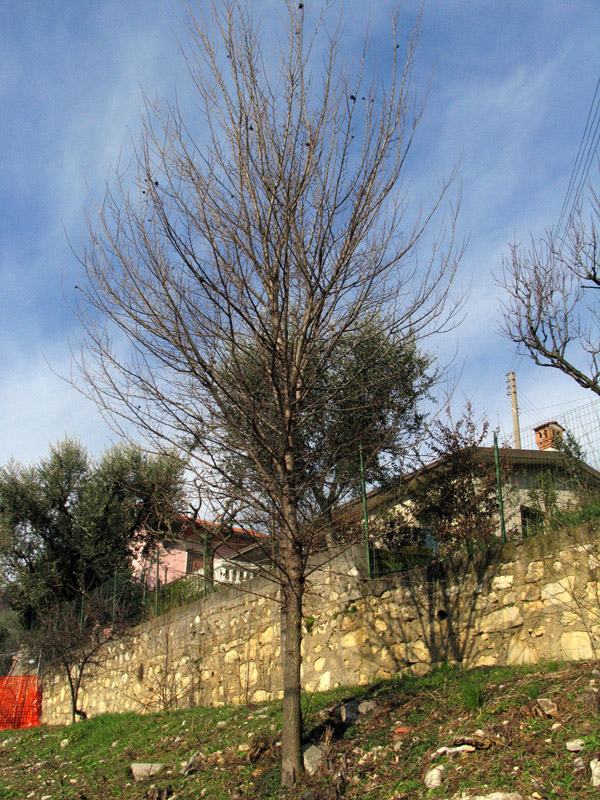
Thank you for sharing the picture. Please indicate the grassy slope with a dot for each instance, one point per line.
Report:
(384, 756)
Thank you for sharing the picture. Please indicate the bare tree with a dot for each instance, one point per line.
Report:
(265, 244)
(75, 637)
(552, 311)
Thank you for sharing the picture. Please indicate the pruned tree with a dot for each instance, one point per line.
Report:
(551, 310)
(261, 249)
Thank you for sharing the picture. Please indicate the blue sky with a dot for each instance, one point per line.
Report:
(511, 85)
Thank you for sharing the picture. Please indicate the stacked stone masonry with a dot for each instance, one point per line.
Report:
(518, 604)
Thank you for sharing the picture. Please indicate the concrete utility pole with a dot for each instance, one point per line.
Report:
(511, 389)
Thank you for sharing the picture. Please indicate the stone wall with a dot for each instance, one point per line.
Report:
(518, 604)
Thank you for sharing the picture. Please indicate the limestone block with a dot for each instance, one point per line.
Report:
(570, 617)
(536, 605)
(536, 632)
(558, 593)
(266, 636)
(593, 559)
(386, 660)
(484, 661)
(348, 622)
(592, 594)
(530, 593)
(501, 620)
(576, 645)
(250, 673)
(319, 665)
(535, 572)
(519, 653)
(411, 652)
(380, 625)
(231, 656)
(492, 597)
(354, 638)
(502, 582)
(324, 683)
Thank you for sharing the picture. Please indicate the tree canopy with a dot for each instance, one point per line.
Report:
(68, 523)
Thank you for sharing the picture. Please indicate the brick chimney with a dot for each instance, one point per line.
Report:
(549, 435)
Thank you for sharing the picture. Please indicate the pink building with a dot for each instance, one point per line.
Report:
(185, 554)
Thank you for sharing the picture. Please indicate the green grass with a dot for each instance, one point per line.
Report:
(377, 761)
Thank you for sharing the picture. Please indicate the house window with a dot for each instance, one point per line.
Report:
(195, 561)
(532, 521)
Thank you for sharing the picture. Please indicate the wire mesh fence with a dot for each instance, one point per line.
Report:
(582, 421)
(476, 498)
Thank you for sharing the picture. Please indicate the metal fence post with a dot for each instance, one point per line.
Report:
(365, 514)
(499, 485)
(156, 600)
(114, 598)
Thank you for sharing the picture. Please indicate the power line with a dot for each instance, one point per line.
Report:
(583, 160)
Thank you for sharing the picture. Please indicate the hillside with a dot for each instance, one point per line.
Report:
(384, 752)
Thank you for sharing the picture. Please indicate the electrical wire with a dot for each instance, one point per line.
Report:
(583, 160)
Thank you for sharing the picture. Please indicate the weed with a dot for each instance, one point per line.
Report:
(471, 692)
(309, 623)
(534, 690)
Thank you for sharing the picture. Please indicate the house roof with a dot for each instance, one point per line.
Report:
(203, 523)
(542, 458)
(393, 494)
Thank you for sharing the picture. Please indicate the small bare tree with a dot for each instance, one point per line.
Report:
(246, 261)
(552, 311)
(75, 637)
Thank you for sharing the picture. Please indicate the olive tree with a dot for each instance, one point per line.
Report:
(262, 244)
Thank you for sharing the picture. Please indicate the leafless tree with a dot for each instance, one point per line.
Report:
(73, 638)
(261, 247)
(552, 311)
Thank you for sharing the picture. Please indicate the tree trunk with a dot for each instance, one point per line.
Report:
(293, 590)
(291, 728)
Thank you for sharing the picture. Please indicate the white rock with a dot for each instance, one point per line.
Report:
(595, 768)
(311, 755)
(548, 706)
(450, 751)
(496, 796)
(144, 770)
(434, 777)
(64, 743)
(366, 706)
(575, 745)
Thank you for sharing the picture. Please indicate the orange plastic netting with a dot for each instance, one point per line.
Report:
(20, 702)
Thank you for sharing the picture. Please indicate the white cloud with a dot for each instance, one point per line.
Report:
(37, 409)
